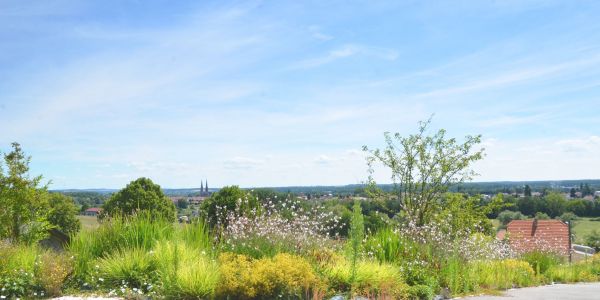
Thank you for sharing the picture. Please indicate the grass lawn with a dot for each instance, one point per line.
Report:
(88, 222)
(583, 227)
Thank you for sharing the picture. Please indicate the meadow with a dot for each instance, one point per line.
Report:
(284, 251)
(584, 227)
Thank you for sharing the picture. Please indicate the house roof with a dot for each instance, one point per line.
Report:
(544, 235)
(94, 209)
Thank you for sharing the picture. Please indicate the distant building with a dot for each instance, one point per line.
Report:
(544, 235)
(191, 200)
(597, 194)
(93, 211)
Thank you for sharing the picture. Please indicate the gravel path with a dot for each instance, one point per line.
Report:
(582, 291)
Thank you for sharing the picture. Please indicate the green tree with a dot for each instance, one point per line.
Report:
(140, 195)
(506, 216)
(62, 214)
(182, 203)
(541, 216)
(23, 200)
(229, 199)
(572, 193)
(527, 191)
(555, 204)
(424, 166)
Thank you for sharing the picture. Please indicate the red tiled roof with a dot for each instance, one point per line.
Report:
(545, 235)
(94, 209)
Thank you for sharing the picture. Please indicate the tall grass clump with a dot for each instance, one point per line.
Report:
(185, 271)
(114, 235)
(127, 269)
(541, 261)
(357, 234)
(196, 235)
(385, 245)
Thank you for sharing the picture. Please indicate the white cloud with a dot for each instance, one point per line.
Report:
(243, 163)
(347, 51)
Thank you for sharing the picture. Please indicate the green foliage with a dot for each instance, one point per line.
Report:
(229, 199)
(541, 261)
(555, 204)
(506, 216)
(62, 214)
(182, 204)
(386, 245)
(593, 240)
(30, 272)
(114, 235)
(357, 234)
(23, 201)
(140, 195)
(424, 167)
(568, 217)
(583, 271)
(196, 235)
(185, 272)
(464, 214)
(134, 268)
(541, 216)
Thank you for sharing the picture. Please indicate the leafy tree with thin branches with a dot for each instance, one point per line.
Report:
(424, 166)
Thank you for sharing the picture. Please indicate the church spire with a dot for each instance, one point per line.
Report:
(206, 186)
(201, 187)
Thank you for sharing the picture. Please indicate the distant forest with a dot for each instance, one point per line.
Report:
(95, 197)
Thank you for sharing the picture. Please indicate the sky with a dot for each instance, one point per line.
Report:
(280, 93)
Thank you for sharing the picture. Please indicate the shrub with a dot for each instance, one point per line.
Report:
(506, 216)
(52, 271)
(593, 239)
(502, 274)
(291, 230)
(371, 279)
(284, 275)
(17, 266)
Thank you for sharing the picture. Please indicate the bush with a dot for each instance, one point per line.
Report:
(593, 239)
(17, 272)
(284, 275)
(372, 279)
(506, 216)
(568, 217)
(502, 274)
(52, 271)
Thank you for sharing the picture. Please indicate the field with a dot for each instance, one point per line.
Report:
(583, 227)
(88, 222)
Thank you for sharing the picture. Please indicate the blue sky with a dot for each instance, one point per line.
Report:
(273, 93)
